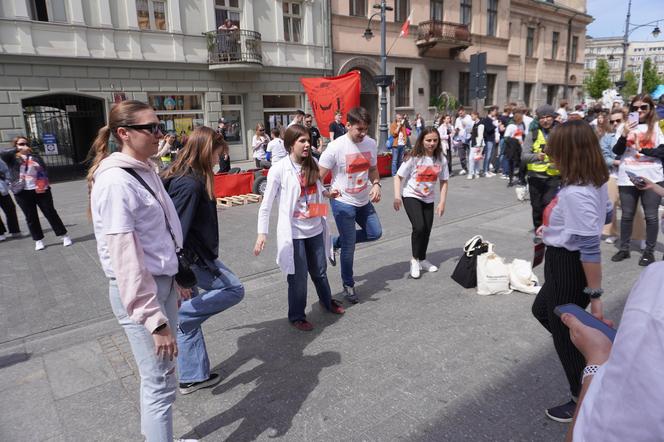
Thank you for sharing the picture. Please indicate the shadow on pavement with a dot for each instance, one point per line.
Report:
(283, 378)
(13, 358)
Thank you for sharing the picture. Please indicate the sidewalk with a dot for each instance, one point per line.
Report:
(421, 360)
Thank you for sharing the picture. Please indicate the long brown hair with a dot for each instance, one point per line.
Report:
(652, 114)
(196, 157)
(309, 165)
(21, 137)
(605, 126)
(574, 148)
(418, 150)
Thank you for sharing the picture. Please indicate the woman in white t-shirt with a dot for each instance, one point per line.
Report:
(423, 171)
(571, 230)
(639, 157)
(446, 130)
(137, 232)
(303, 239)
(259, 144)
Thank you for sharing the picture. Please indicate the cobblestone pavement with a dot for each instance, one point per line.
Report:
(419, 360)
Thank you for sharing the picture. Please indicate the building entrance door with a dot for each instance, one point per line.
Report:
(62, 127)
(369, 99)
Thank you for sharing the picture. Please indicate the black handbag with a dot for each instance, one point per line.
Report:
(185, 277)
(465, 272)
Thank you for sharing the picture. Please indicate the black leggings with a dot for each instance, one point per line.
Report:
(10, 212)
(28, 201)
(629, 197)
(564, 284)
(542, 191)
(421, 217)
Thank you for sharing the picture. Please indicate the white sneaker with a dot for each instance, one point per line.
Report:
(3, 237)
(470, 177)
(39, 245)
(66, 241)
(490, 174)
(462, 172)
(427, 266)
(490, 167)
(414, 269)
(611, 239)
(643, 244)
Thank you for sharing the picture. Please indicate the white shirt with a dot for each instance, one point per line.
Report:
(350, 163)
(465, 126)
(514, 131)
(278, 150)
(258, 143)
(624, 400)
(304, 226)
(563, 114)
(526, 123)
(422, 175)
(444, 137)
(635, 162)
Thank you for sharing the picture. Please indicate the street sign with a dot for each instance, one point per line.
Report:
(477, 76)
(50, 144)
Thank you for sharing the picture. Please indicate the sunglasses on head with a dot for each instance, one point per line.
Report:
(643, 107)
(618, 121)
(154, 128)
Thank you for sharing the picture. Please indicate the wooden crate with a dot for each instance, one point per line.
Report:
(238, 200)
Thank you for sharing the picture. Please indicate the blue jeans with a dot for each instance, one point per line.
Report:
(158, 381)
(346, 216)
(309, 257)
(488, 149)
(397, 158)
(220, 292)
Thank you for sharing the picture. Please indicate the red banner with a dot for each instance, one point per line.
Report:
(328, 95)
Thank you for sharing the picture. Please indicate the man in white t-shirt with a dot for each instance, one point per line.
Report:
(299, 118)
(352, 159)
(622, 384)
(463, 128)
(275, 148)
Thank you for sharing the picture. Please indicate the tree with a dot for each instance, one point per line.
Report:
(598, 80)
(651, 78)
(631, 85)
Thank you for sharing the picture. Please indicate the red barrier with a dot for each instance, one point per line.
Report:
(233, 184)
(385, 165)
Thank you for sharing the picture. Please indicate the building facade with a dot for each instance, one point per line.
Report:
(611, 49)
(63, 63)
(534, 50)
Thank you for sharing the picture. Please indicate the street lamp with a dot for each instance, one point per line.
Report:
(383, 81)
(655, 33)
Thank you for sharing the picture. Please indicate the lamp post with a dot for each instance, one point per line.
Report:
(655, 33)
(383, 81)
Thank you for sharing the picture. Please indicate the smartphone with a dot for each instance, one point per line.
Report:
(586, 318)
(633, 117)
(635, 179)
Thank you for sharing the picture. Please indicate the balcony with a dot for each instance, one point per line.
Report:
(441, 39)
(234, 49)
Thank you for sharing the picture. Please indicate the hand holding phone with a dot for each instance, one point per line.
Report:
(586, 318)
(636, 180)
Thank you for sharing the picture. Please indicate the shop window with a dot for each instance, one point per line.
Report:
(178, 113)
(231, 115)
(278, 110)
(151, 15)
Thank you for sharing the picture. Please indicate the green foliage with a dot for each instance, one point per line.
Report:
(445, 102)
(631, 85)
(651, 78)
(598, 80)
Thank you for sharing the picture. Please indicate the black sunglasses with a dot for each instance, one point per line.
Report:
(154, 128)
(643, 107)
(22, 144)
(618, 121)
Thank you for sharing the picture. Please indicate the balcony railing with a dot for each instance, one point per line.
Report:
(234, 46)
(452, 36)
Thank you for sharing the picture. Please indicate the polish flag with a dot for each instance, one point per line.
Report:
(405, 28)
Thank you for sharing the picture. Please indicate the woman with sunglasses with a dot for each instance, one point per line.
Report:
(137, 231)
(303, 239)
(615, 121)
(636, 147)
(259, 144)
(31, 188)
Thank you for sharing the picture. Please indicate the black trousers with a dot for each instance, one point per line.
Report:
(462, 151)
(629, 197)
(421, 218)
(9, 208)
(449, 159)
(28, 201)
(542, 191)
(564, 284)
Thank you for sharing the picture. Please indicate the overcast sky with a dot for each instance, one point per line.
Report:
(610, 18)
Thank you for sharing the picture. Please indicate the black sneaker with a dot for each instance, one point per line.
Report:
(647, 258)
(562, 413)
(622, 254)
(350, 295)
(190, 387)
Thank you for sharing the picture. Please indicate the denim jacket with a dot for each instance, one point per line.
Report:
(606, 143)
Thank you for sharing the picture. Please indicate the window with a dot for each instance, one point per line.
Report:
(527, 91)
(435, 85)
(402, 80)
(464, 88)
(437, 10)
(551, 93)
(512, 91)
(492, 18)
(279, 109)
(575, 48)
(490, 88)
(530, 42)
(358, 8)
(292, 22)
(227, 9)
(177, 112)
(151, 14)
(554, 45)
(466, 12)
(48, 10)
(401, 10)
(231, 114)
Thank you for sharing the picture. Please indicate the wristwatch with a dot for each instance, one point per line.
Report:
(593, 293)
(376, 183)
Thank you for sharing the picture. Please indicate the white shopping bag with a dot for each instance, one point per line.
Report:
(522, 278)
(493, 275)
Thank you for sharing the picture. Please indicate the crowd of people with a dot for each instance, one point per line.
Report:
(156, 225)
